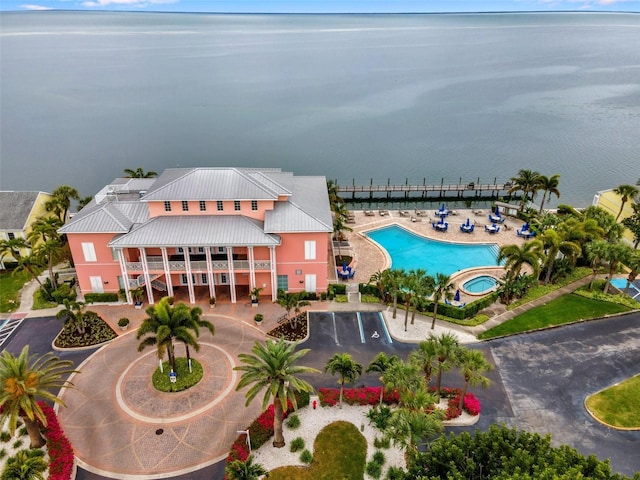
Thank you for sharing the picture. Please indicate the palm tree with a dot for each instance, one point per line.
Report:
(531, 253)
(272, 367)
(73, 314)
(425, 356)
(609, 253)
(380, 364)
(31, 264)
(48, 253)
(13, 247)
(292, 301)
(393, 281)
(633, 224)
(165, 323)
(405, 378)
(345, 366)
(555, 244)
(407, 428)
(61, 201)
(626, 192)
(548, 185)
(339, 227)
(192, 320)
(247, 470)
(414, 286)
(43, 229)
(26, 378)
(139, 173)
(25, 465)
(442, 289)
(612, 230)
(378, 278)
(447, 349)
(472, 365)
(334, 198)
(527, 182)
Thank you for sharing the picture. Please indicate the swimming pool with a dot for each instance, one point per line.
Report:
(410, 251)
(480, 284)
(621, 284)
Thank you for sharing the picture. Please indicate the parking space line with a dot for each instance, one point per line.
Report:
(335, 330)
(360, 327)
(384, 328)
(8, 327)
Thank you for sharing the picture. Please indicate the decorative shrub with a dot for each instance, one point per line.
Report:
(395, 473)
(5, 436)
(306, 457)
(297, 444)
(384, 442)
(373, 469)
(378, 457)
(379, 416)
(17, 444)
(123, 322)
(61, 457)
(293, 421)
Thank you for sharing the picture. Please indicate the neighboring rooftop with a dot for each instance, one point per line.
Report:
(15, 208)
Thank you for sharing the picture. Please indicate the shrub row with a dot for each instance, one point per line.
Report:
(61, 458)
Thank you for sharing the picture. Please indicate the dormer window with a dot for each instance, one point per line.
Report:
(203, 206)
(236, 205)
(220, 205)
(185, 206)
(254, 205)
(167, 206)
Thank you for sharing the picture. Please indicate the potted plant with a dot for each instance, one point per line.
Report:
(258, 318)
(123, 323)
(137, 295)
(212, 302)
(255, 296)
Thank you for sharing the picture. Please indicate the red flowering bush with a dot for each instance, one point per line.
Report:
(61, 458)
(452, 411)
(329, 397)
(471, 404)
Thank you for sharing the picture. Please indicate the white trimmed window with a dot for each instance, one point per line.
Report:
(236, 205)
(185, 206)
(254, 205)
(96, 284)
(203, 206)
(89, 252)
(167, 206)
(220, 205)
(310, 250)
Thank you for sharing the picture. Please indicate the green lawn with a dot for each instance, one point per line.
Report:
(10, 285)
(565, 309)
(618, 405)
(331, 459)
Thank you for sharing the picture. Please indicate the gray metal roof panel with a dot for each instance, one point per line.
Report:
(197, 230)
(210, 184)
(15, 208)
(116, 217)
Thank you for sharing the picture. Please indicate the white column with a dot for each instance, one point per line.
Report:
(167, 271)
(210, 276)
(274, 274)
(232, 274)
(252, 269)
(147, 277)
(125, 276)
(187, 266)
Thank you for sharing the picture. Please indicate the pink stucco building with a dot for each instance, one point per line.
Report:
(204, 232)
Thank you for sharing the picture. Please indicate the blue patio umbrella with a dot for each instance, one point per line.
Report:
(456, 297)
(442, 208)
(497, 212)
(344, 265)
(468, 224)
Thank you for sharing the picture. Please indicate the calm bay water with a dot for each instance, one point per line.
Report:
(85, 95)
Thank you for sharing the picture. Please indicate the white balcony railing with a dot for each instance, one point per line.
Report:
(180, 266)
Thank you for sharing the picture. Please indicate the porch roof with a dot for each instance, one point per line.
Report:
(197, 231)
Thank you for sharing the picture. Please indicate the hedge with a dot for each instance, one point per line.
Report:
(101, 297)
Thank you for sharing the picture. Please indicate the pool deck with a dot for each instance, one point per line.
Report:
(371, 258)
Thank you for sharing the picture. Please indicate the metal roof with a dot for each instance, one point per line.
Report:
(214, 184)
(111, 217)
(197, 231)
(15, 208)
(306, 211)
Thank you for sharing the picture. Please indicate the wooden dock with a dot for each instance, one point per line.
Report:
(418, 192)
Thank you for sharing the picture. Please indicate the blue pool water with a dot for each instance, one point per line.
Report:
(479, 284)
(410, 251)
(621, 284)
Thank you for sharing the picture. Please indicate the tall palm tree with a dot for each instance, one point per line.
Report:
(26, 378)
(43, 229)
(380, 364)
(165, 323)
(49, 253)
(31, 264)
(424, 288)
(425, 356)
(378, 278)
(411, 285)
(531, 253)
(527, 183)
(345, 366)
(272, 368)
(442, 288)
(393, 282)
(139, 173)
(25, 465)
(554, 244)
(292, 301)
(548, 185)
(610, 253)
(247, 470)
(13, 247)
(633, 224)
(73, 314)
(334, 198)
(61, 201)
(192, 320)
(339, 227)
(612, 230)
(447, 350)
(626, 192)
(472, 365)
(405, 378)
